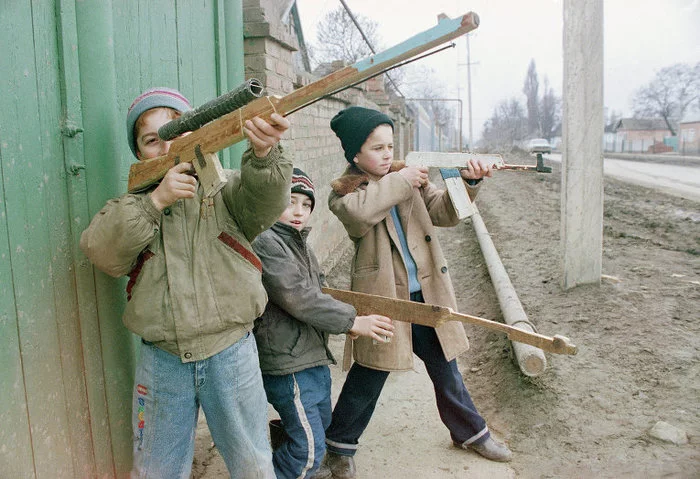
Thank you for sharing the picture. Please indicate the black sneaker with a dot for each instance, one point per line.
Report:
(323, 472)
(277, 434)
(342, 467)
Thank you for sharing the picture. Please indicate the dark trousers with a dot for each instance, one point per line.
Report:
(303, 401)
(363, 385)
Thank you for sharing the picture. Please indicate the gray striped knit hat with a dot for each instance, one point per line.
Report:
(153, 98)
(301, 183)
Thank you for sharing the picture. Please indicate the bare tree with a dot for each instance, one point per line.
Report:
(507, 126)
(510, 123)
(419, 81)
(530, 88)
(338, 38)
(422, 82)
(669, 94)
(611, 118)
(550, 111)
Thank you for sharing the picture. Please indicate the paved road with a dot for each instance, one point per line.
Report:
(683, 181)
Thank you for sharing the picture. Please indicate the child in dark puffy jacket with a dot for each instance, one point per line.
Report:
(292, 335)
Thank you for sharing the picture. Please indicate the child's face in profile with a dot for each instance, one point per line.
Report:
(148, 143)
(377, 152)
(298, 211)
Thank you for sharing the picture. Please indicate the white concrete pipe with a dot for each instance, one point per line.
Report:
(531, 360)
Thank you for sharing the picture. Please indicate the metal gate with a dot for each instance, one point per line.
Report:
(69, 71)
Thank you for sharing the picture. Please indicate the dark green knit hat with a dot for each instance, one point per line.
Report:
(354, 124)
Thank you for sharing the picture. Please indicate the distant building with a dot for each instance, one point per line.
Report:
(689, 135)
(609, 137)
(637, 135)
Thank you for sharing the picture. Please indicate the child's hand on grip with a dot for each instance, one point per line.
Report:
(416, 175)
(373, 326)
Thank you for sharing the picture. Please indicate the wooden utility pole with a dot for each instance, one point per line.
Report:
(582, 143)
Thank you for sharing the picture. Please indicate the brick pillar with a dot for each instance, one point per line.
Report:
(268, 46)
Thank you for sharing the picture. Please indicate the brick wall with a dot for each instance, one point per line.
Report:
(269, 49)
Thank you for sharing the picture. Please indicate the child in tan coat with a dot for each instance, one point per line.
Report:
(390, 213)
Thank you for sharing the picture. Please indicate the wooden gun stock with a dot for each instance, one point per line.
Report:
(227, 130)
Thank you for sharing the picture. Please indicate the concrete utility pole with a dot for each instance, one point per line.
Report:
(582, 143)
(469, 96)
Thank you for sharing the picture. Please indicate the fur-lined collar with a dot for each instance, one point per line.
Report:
(353, 178)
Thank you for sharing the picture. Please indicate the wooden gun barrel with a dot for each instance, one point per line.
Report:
(227, 130)
(210, 111)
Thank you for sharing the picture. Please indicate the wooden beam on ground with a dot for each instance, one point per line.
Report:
(531, 360)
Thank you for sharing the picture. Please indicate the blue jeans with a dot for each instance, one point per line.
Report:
(303, 401)
(167, 397)
(362, 388)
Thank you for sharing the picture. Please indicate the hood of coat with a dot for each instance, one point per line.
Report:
(353, 178)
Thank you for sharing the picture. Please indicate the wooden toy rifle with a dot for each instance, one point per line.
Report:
(200, 146)
(450, 164)
(434, 316)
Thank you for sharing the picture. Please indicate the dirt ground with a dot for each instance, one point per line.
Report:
(586, 416)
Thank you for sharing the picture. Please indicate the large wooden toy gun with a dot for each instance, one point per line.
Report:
(450, 164)
(200, 146)
(434, 316)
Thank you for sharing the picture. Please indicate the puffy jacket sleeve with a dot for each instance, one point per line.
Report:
(363, 208)
(258, 196)
(119, 232)
(290, 286)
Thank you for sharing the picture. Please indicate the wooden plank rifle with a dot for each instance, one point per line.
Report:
(434, 159)
(450, 164)
(202, 144)
(434, 316)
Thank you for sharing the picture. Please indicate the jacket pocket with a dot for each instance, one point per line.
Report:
(246, 253)
(144, 256)
(233, 276)
(282, 336)
(365, 270)
(148, 306)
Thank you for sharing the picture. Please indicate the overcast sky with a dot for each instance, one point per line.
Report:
(640, 37)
